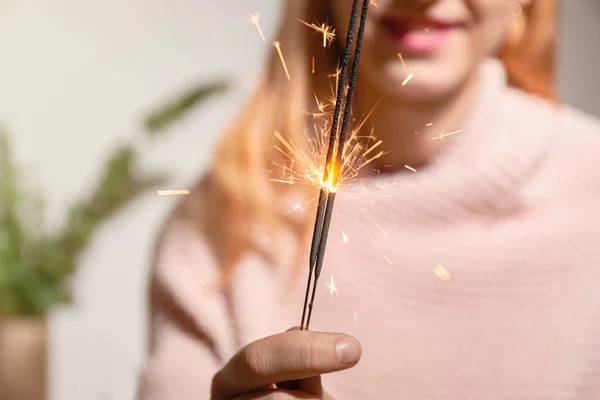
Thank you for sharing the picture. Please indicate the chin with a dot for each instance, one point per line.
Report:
(433, 80)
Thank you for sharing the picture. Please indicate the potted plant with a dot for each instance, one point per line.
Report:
(36, 265)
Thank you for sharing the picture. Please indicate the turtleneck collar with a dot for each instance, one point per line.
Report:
(480, 171)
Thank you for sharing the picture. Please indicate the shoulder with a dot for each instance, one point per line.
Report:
(183, 257)
(568, 170)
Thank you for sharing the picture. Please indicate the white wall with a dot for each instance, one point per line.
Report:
(579, 54)
(76, 77)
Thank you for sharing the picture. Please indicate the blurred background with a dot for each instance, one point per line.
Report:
(91, 92)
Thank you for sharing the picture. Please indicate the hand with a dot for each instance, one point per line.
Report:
(285, 366)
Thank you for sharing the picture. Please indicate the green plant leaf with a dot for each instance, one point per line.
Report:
(163, 117)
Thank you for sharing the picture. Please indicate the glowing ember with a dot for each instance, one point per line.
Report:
(172, 192)
(429, 124)
(254, 21)
(408, 78)
(410, 168)
(278, 47)
(441, 272)
(327, 31)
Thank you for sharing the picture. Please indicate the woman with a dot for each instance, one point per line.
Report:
(475, 277)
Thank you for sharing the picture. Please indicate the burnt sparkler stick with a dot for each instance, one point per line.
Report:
(313, 248)
(332, 140)
(336, 148)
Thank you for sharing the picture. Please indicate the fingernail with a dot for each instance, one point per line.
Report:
(348, 351)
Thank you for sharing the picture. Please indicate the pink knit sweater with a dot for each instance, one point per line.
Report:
(511, 210)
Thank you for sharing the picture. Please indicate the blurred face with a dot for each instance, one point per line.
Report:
(441, 42)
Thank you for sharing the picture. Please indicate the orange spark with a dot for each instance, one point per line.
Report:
(408, 78)
(327, 31)
(278, 47)
(429, 124)
(254, 21)
(403, 63)
(296, 207)
(313, 65)
(411, 168)
(172, 192)
(441, 272)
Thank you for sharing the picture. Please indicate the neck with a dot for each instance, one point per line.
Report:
(412, 134)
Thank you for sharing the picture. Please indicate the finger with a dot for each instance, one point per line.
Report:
(287, 356)
(279, 394)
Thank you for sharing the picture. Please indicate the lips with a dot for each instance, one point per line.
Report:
(417, 34)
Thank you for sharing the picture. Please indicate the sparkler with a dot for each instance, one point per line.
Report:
(334, 158)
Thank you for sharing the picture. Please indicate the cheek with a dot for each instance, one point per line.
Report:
(490, 26)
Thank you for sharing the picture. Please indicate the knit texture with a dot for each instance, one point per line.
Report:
(510, 210)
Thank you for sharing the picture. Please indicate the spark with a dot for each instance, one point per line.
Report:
(344, 237)
(172, 192)
(296, 207)
(441, 272)
(408, 78)
(304, 164)
(381, 252)
(429, 124)
(277, 45)
(331, 287)
(254, 21)
(411, 168)
(446, 135)
(313, 65)
(327, 31)
(403, 63)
